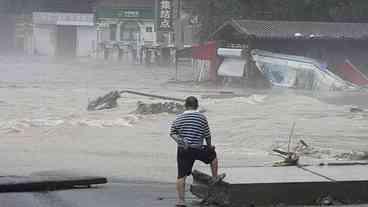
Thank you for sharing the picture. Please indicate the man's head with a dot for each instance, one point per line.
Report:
(191, 103)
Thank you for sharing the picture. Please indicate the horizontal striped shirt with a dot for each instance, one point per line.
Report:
(192, 127)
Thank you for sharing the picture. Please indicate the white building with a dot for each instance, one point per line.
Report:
(125, 32)
(64, 34)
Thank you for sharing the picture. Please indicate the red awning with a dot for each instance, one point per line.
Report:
(350, 73)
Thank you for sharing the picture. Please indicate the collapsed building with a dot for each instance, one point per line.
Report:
(307, 55)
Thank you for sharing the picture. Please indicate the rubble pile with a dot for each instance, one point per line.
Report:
(305, 150)
(107, 101)
(156, 108)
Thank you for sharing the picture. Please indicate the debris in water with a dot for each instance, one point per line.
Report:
(356, 110)
(314, 152)
(156, 108)
(110, 100)
(305, 150)
(105, 102)
(352, 156)
(328, 201)
(166, 107)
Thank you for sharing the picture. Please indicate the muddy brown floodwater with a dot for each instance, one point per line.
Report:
(44, 124)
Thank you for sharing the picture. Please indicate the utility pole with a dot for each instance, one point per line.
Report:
(156, 17)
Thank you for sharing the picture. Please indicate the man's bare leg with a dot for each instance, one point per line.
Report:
(180, 189)
(214, 167)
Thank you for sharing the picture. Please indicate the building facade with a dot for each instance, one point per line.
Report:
(64, 34)
(187, 25)
(8, 14)
(125, 28)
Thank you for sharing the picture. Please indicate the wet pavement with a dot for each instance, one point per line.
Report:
(111, 195)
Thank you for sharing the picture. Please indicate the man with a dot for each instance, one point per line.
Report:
(189, 130)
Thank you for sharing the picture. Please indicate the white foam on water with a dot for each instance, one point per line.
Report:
(127, 121)
(13, 126)
(253, 99)
(256, 99)
(43, 122)
(17, 126)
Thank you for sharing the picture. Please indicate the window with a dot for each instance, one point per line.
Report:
(149, 29)
(130, 31)
(113, 32)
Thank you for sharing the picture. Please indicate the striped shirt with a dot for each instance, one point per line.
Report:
(192, 128)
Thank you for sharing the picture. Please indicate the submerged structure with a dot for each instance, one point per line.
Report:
(297, 72)
(295, 53)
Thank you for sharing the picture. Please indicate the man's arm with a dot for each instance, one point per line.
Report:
(207, 134)
(175, 135)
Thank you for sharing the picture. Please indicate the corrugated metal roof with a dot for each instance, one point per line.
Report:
(302, 30)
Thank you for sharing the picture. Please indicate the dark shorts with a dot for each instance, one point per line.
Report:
(186, 157)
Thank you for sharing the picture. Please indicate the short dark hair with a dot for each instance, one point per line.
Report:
(191, 103)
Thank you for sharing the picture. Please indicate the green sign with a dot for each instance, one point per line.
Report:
(121, 13)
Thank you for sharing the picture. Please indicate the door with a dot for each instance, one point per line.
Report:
(66, 43)
(7, 33)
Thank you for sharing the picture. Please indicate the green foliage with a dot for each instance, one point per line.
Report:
(214, 12)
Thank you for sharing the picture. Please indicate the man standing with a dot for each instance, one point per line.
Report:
(189, 130)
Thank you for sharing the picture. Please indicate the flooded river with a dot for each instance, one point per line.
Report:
(44, 124)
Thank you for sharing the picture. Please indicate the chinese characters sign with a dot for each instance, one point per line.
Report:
(122, 13)
(130, 14)
(165, 15)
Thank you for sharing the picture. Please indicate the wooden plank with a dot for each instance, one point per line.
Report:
(152, 95)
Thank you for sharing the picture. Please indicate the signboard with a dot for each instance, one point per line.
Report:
(122, 13)
(57, 18)
(165, 15)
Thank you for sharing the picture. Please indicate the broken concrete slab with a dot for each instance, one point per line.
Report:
(297, 185)
(47, 182)
(107, 101)
(156, 108)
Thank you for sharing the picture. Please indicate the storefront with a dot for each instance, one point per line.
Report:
(7, 32)
(64, 34)
(124, 32)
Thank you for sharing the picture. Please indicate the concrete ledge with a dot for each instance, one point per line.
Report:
(46, 183)
(307, 193)
(297, 185)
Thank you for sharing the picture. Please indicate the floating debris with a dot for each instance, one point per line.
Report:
(356, 110)
(327, 201)
(107, 101)
(156, 108)
(303, 149)
(352, 156)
